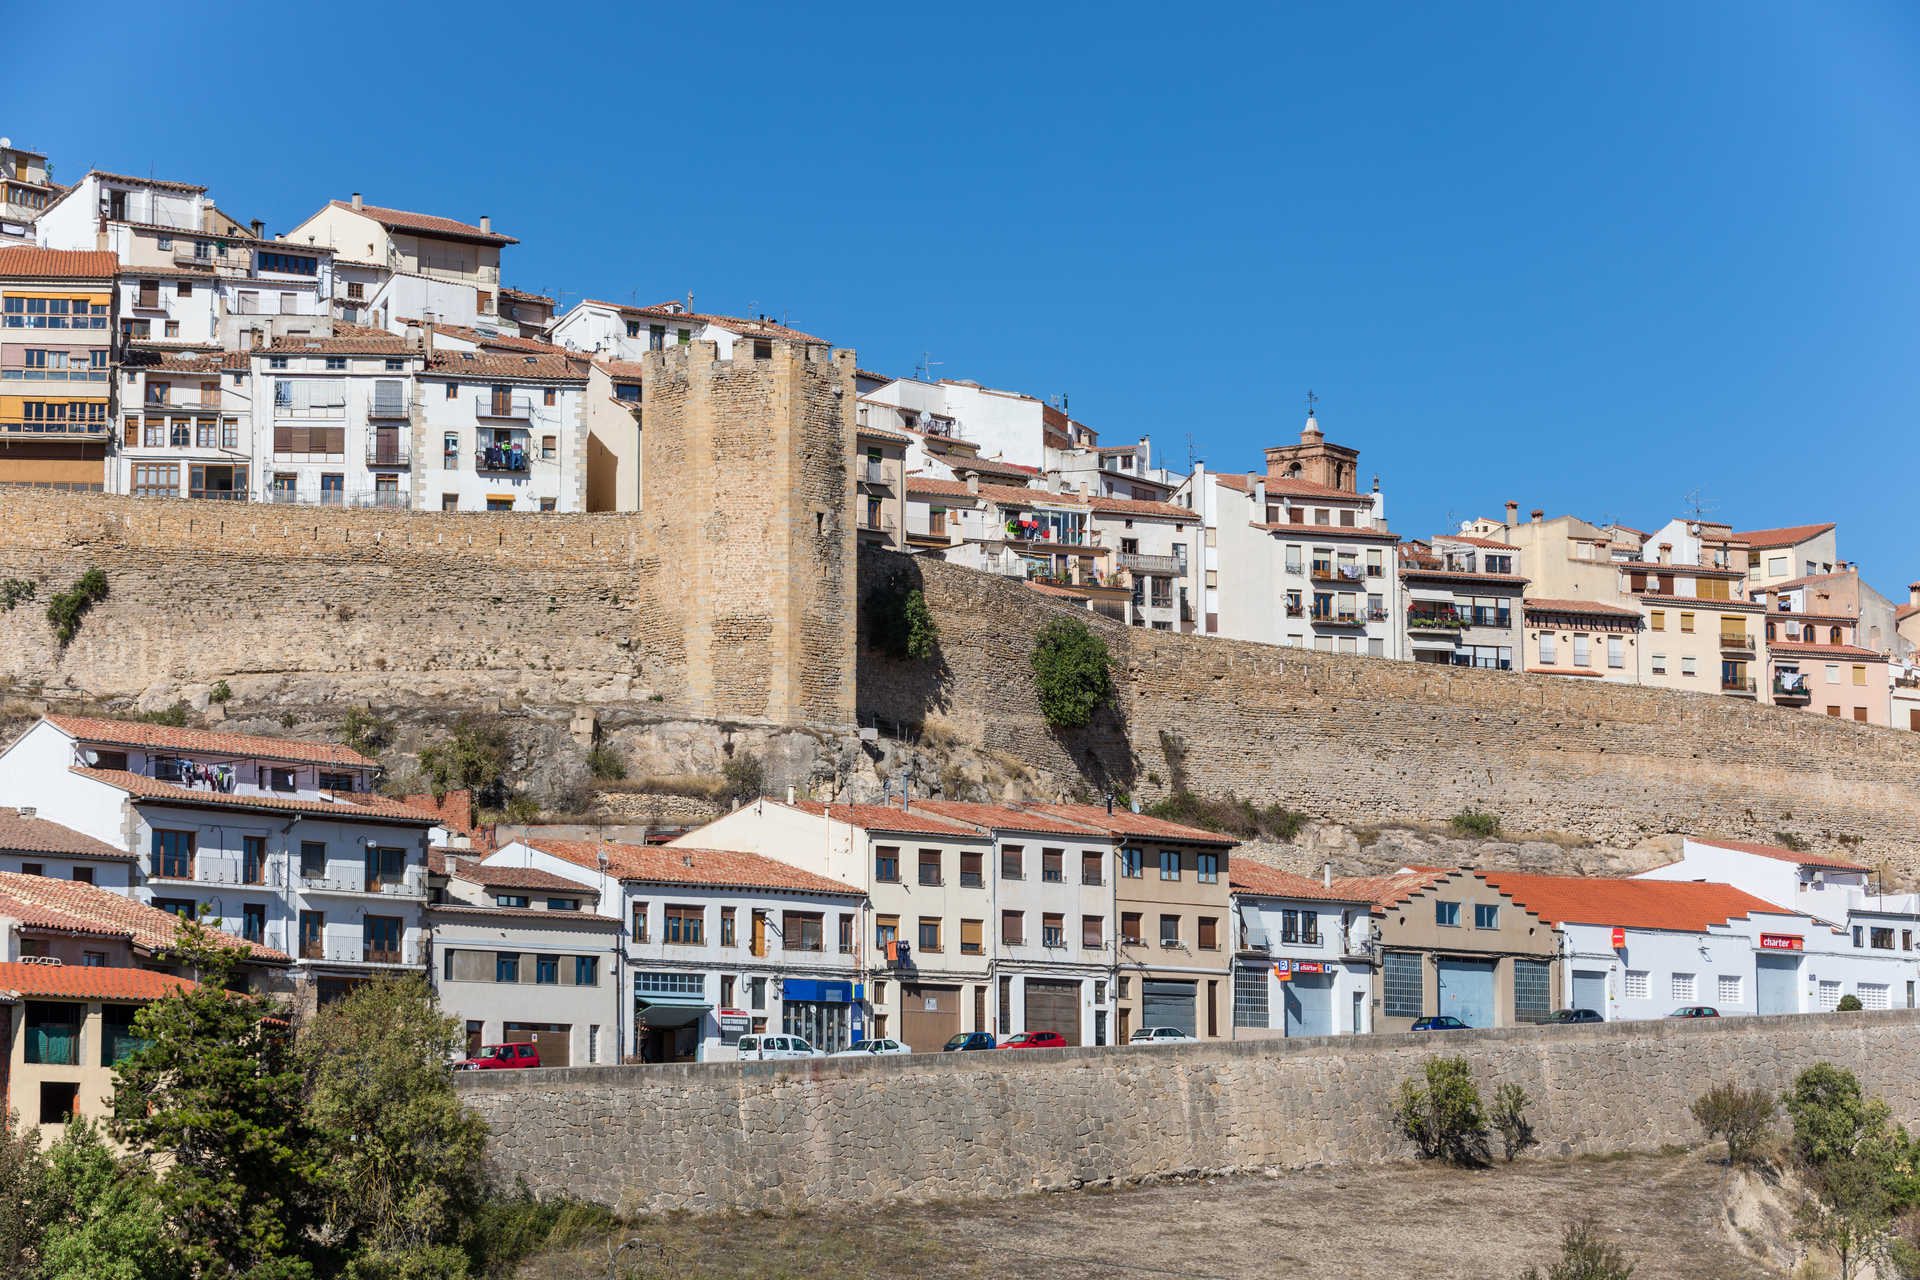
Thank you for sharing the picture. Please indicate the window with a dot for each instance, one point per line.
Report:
(1249, 995)
(757, 996)
(1209, 933)
(1012, 928)
(1532, 990)
(639, 922)
(886, 864)
(1169, 864)
(506, 966)
(1658, 663)
(117, 1040)
(1688, 666)
(1206, 868)
(802, 931)
(1873, 995)
(1402, 985)
(1829, 996)
(929, 933)
(313, 929)
(84, 875)
(972, 942)
(1860, 674)
(1447, 914)
(846, 934)
(1130, 927)
(1616, 652)
(1053, 930)
(1636, 985)
(57, 1101)
(1580, 651)
(546, 970)
(1486, 915)
(1050, 869)
(1880, 939)
(1130, 864)
(173, 854)
(53, 1033)
(686, 926)
(1169, 930)
(549, 397)
(253, 860)
(1093, 932)
(1546, 649)
(253, 921)
(549, 445)
(1728, 989)
(930, 866)
(288, 264)
(970, 876)
(380, 939)
(1686, 622)
(313, 859)
(1090, 868)
(1683, 987)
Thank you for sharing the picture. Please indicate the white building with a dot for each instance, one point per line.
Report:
(502, 432)
(1305, 955)
(619, 332)
(433, 266)
(82, 217)
(716, 944)
(1002, 426)
(335, 421)
(278, 841)
(36, 846)
(187, 425)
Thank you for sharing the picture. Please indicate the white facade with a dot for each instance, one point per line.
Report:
(333, 421)
(1303, 966)
(78, 218)
(186, 425)
(502, 433)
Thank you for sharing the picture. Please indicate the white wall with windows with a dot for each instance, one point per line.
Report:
(1301, 968)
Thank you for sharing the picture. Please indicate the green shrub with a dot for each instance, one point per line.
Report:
(1584, 1256)
(365, 732)
(1741, 1116)
(1229, 815)
(174, 717)
(745, 777)
(604, 762)
(1509, 1118)
(473, 758)
(14, 591)
(65, 610)
(901, 625)
(1790, 841)
(1475, 822)
(1072, 671)
(221, 693)
(1849, 1004)
(1444, 1117)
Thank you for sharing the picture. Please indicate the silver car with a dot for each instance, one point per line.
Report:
(871, 1048)
(1162, 1035)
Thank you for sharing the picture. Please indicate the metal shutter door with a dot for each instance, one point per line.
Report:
(1466, 990)
(1590, 990)
(1779, 984)
(926, 1028)
(1309, 1004)
(1167, 1004)
(1054, 1006)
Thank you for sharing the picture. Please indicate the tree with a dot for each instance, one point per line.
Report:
(1584, 1256)
(1831, 1116)
(1443, 1117)
(903, 625)
(1858, 1166)
(216, 1095)
(1851, 1212)
(23, 1196)
(1509, 1117)
(1741, 1116)
(107, 1221)
(404, 1153)
(1072, 671)
(473, 759)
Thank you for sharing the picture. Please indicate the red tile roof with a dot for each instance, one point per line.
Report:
(496, 877)
(522, 293)
(1545, 605)
(1571, 671)
(1429, 571)
(1286, 486)
(424, 223)
(990, 467)
(884, 817)
(1682, 905)
(1124, 822)
(621, 368)
(1064, 593)
(133, 733)
(1807, 581)
(503, 341)
(57, 264)
(38, 835)
(160, 183)
(562, 919)
(1660, 597)
(151, 928)
(89, 982)
(346, 339)
(670, 864)
(547, 367)
(1784, 537)
(1389, 890)
(1905, 611)
(881, 433)
(1781, 854)
(871, 376)
(1792, 647)
(1260, 880)
(32, 915)
(1004, 817)
(1474, 541)
(346, 806)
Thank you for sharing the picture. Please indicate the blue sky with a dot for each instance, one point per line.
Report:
(1590, 258)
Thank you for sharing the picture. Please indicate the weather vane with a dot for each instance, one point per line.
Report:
(1312, 400)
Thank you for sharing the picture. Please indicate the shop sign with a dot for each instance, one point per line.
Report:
(1782, 942)
(1309, 966)
(1619, 937)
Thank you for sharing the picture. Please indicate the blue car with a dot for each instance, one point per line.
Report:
(968, 1040)
(1445, 1022)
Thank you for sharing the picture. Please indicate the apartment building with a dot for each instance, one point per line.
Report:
(1583, 638)
(924, 959)
(520, 955)
(25, 191)
(1175, 940)
(614, 416)
(503, 432)
(85, 215)
(621, 332)
(31, 845)
(1299, 556)
(278, 841)
(335, 420)
(530, 314)
(56, 345)
(433, 266)
(1006, 427)
(880, 487)
(74, 922)
(1562, 558)
(1304, 956)
(1114, 471)
(1835, 608)
(1463, 602)
(1699, 634)
(1019, 532)
(1796, 551)
(187, 424)
(719, 943)
(1840, 680)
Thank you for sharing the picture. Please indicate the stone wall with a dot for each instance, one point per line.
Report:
(835, 1132)
(1369, 741)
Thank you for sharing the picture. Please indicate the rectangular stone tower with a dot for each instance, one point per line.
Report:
(746, 488)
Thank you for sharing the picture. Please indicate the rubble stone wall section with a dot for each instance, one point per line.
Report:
(811, 1135)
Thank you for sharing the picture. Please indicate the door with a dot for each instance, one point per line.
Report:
(1123, 1021)
(759, 933)
(554, 1041)
(1167, 1004)
(1054, 1006)
(929, 1016)
(1466, 990)
(1309, 998)
(1590, 990)
(1359, 1012)
(1779, 984)
(386, 446)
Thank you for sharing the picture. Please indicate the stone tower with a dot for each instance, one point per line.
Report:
(746, 488)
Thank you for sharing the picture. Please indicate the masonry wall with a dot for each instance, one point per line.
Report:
(1370, 741)
(834, 1132)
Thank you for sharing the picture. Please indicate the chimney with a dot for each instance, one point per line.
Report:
(1666, 553)
(789, 795)
(1086, 488)
(356, 200)
(426, 336)
(259, 229)
(1537, 515)
(1913, 593)
(973, 482)
(1326, 875)
(486, 223)
(1513, 512)
(259, 339)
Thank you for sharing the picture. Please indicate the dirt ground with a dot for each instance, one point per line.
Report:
(1385, 1222)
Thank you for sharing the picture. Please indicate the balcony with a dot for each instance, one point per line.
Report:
(78, 432)
(1172, 566)
(1738, 686)
(1295, 567)
(881, 472)
(1735, 643)
(1324, 571)
(389, 408)
(515, 458)
(1485, 617)
(882, 524)
(53, 375)
(389, 449)
(517, 408)
(1448, 619)
(411, 885)
(1295, 609)
(1328, 618)
(358, 951)
(1794, 693)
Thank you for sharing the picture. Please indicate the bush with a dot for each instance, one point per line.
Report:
(745, 777)
(222, 692)
(1741, 1116)
(1509, 1117)
(473, 759)
(1230, 815)
(14, 591)
(366, 732)
(1791, 842)
(1584, 1256)
(65, 610)
(1475, 822)
(1443, 1117)
(174, 717)
(903, 626)
(605, 763)
(1849, 1004)
(1072, 671)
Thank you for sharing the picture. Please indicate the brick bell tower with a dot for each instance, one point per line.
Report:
(1313, 459)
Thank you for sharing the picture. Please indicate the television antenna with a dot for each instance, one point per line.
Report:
(1698, 506)
(923, 372)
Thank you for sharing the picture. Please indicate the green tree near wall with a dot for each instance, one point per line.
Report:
(1072, 672)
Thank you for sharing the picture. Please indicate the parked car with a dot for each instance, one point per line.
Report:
(868, 1048)
(1161, 1035)
(1562, 1017)
(1445, 1022)
(1035, 1040)
(1695, 1011)
(967, 1041)
(762, 1048)
(501, 1057)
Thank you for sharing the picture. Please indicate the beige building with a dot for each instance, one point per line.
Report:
(1700, 636)
(419, 246)
(1779, 555)
(1562, 558)
(880, 487)
(615, 390)
(1583, 638)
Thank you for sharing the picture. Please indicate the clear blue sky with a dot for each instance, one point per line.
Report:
(1586, 257)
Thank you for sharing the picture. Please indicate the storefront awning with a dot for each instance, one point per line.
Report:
(670, 1014)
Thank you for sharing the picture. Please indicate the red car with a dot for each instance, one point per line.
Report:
(1035, 1040)
(501, 1057)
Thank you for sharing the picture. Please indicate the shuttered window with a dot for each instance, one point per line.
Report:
(1532, 990)
(1401, 982)
(971, 941)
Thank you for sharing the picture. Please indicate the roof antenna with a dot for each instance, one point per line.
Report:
(923, 372)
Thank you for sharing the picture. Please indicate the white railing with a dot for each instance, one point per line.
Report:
(412, 884)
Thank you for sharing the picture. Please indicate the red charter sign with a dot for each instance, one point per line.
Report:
(1782, 942)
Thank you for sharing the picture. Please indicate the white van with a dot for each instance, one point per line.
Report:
(761, 1048)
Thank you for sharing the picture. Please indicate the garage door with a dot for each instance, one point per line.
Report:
(1466, 990)
(1167, 1004)
(1309, 999)
(1054, 1006)
(1779, 986)
(929, 1016)
(554, 1041)
(1590, 990)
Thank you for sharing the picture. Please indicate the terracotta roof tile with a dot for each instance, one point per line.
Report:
(160, 183)
(1124, 822)
(881, 433)
(424, 223)
(1807, 581)
(884, 817)
(345, 806)
(1782, 854)
(132, 733)
(346, 339)
(89, 982)
(998, 816)
(1765, 539)
(524, 295)
(151, 928)
(58, 264)
(1682, 905)
(34, 916)
(1547, 605)
(669, 864)
(1474, 541)
(503, 341)
(38, 835)
(547, 367)
(1389, 890)
(565, 919)
(1259, 879)
(1658, 597)
(1792, 647)
(621, 368)
(1434, 571)
(496, 877)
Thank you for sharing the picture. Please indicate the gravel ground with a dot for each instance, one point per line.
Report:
(1378, 1221)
